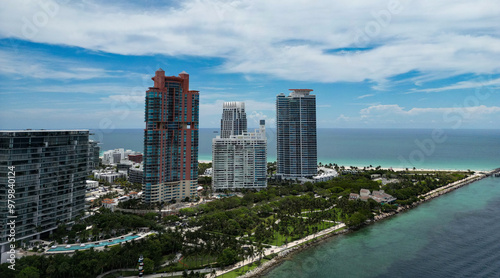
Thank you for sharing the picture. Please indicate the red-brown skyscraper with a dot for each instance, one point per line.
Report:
(170, 139)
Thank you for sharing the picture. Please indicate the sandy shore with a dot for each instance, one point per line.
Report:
(282, 255)
(395, 169)
(398, 169)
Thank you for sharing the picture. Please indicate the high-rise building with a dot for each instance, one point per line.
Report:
(94, 151)
(296, 134)
(170, 139)
(47, 174)
(239, 161)
(234, 119)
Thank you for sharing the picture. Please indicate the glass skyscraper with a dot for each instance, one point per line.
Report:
(47, 170)
(170, 139)
(296, 134)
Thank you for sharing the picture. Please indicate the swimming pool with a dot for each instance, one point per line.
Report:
(91, 244)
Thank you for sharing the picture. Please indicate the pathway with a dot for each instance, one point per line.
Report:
(278, 249)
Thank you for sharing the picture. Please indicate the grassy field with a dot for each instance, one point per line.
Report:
(121, 274)
(190, 262)
(242, 270)
(279, 239)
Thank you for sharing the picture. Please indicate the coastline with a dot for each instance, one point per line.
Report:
(285, 254)
(397, 169)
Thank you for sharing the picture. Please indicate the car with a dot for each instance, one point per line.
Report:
(68, 246)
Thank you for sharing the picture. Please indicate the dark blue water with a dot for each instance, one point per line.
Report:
(454, 149)
(455, 235)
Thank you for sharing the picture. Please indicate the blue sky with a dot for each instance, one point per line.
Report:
(371, 64)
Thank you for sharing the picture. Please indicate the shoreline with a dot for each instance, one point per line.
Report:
(397, 169)
(285, 254)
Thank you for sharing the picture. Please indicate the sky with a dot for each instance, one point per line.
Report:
(371, 64)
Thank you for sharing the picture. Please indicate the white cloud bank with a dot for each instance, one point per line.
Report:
(292, 40)
(447, 117)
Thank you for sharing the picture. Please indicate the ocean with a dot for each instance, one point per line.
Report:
(454, 235)
(399, 148)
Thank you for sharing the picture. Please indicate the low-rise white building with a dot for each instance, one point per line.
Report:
(208, 172)
(327, 174)
(115, 156)
(92, 184)
(109, 203)
(109, 176)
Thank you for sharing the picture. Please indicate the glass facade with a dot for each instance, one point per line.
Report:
(170, 139)
(50, 172)
(296, 134)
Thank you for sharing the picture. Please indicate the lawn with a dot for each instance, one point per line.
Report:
(242, 270)
(309, 214)
(121, 274)
(279, 239)
(190, 262)
(198, 262)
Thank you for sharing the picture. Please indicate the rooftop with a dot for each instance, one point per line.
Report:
(300, 92)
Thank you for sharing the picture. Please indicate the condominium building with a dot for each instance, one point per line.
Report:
(234, 119)
(296, 134)
(170, 139)
(239, 161)
(94, 151)
(135, 174)
(135, 157)
(109, 175)
(116, 156)
(48, 175)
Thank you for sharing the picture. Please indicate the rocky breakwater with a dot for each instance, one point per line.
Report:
(436, 193)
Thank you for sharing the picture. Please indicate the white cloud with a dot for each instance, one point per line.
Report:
(254, 118)
(288, 40)
(34, 64)
(365, 96)
(480, 83)
(398, 110)
(394, 115)
(342, 117)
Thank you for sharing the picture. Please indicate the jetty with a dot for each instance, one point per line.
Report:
(495, 173)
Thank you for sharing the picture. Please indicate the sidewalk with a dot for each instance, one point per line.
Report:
(278, 249)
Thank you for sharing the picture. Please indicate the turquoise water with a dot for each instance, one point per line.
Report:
(455, 235)
(89, 245)
(454, 149)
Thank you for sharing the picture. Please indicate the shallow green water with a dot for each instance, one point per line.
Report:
(455, 235)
